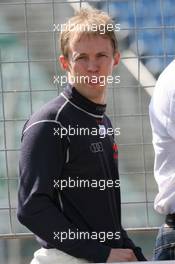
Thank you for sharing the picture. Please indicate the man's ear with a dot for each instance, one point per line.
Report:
(116, 58)
(64, 63)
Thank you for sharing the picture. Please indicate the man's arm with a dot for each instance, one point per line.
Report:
(128, 243)
(162, 119)
(129, 252)
(42, 159)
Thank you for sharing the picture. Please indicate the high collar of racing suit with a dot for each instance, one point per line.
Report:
(82, 102)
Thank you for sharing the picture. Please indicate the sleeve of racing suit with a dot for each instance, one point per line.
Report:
(128, 243)
(41, 161)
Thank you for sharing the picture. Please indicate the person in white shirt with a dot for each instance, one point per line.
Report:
(162, 118)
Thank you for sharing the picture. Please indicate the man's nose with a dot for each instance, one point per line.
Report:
(93, 66)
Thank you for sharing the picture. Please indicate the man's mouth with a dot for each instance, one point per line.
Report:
(93, 80)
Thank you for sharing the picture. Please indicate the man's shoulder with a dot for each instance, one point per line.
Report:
(167, 77)
(49, 113)
(107, 120)
(169, 70)
(165, 86)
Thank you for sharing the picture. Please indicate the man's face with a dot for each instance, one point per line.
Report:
(90, 61)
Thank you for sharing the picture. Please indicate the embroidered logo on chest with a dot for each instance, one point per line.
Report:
(96, 147)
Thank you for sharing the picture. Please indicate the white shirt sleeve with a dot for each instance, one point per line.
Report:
(162, 117)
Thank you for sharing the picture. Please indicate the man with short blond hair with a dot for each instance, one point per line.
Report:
(76, 223)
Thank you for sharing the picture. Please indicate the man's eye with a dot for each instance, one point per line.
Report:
(81, 58)
(102, 55)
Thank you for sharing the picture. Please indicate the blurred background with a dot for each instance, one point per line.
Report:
(28, 63)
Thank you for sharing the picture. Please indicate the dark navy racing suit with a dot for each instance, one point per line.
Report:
(49, 155)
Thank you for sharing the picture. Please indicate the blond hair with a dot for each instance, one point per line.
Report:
(90, 23)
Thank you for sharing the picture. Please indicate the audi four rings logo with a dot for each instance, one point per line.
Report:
(96, 147)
